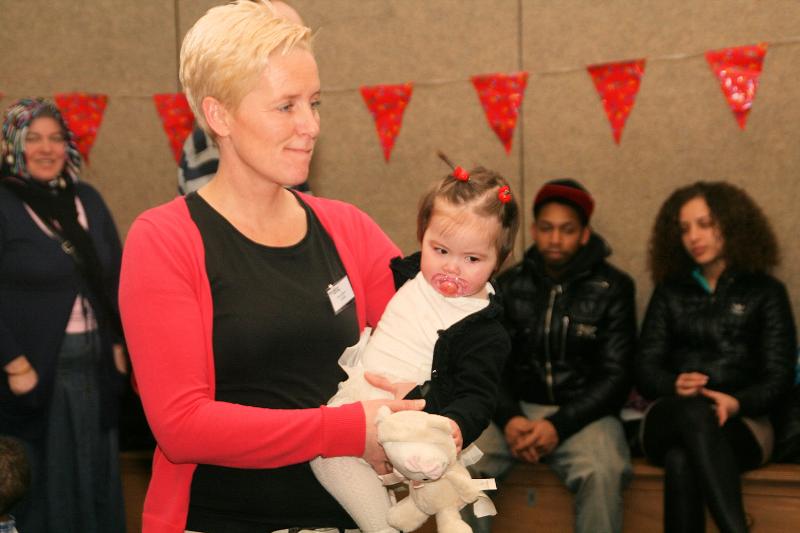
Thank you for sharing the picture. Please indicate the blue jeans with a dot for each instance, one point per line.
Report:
(593, 463)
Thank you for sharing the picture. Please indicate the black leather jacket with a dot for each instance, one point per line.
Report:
(742, 336)
(573, 340)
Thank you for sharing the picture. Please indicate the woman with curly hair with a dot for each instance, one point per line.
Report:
(716, 351)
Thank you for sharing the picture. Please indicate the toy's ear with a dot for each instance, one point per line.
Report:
(383, 412)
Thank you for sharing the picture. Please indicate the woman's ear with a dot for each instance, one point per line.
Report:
(216, 116)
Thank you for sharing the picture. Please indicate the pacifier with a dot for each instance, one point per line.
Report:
(451, 286)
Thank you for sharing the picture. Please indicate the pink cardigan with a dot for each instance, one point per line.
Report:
(166, 306)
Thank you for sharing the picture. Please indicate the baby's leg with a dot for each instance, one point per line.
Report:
(357, 488)
(350, 480)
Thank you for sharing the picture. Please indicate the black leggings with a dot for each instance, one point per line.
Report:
(702, 463)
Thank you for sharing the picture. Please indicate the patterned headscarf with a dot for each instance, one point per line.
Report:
(18, 118)
(54, 203)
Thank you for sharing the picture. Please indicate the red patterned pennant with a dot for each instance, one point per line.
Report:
(177, 119)
(501, 97)
(83, 113)
(738, 70)
(617, 85)
(387, 103)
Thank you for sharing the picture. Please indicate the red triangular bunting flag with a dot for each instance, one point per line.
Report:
(387, 103)
(176, 118)
(738, 70)
(617, 85)
(501, 97)
(83, 113)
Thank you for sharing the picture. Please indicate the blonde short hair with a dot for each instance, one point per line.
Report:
(228, 48)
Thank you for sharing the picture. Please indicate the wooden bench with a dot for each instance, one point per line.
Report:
(532, 499)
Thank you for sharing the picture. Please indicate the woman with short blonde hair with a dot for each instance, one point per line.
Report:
(229, 48)
(238, 299)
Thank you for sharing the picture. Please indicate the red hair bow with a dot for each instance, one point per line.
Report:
(504, 194)
(460, 174)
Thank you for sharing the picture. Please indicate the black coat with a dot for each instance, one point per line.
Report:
(38, 286)
(573, 339)
(742, 336)
(468, 361)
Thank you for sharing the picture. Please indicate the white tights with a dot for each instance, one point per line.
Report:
(357, 488)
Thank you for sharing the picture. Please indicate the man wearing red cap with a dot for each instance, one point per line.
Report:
(571, 318)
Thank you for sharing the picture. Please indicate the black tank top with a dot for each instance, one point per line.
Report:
(276, 344)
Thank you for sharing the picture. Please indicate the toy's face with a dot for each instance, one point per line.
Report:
(417, 461)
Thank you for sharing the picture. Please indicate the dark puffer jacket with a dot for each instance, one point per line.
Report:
(742, 336)
(573, 340)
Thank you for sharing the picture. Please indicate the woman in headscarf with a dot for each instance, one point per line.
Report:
(60, 338)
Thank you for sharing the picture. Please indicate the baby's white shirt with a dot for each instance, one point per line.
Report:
(401, 347)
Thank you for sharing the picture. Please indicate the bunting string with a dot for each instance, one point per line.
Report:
(567, 70)
(547, 72)
(737, 70)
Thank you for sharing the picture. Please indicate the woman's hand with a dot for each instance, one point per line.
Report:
(399, 390)
(690, 383)
(726, 405)
(120, 361)
(373, 451)
(22, 377)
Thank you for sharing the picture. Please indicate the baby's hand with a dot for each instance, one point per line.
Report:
(457, 437)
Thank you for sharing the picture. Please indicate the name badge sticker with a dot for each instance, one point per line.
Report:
(340, 294)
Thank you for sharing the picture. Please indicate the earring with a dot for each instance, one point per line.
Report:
(10, 159)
